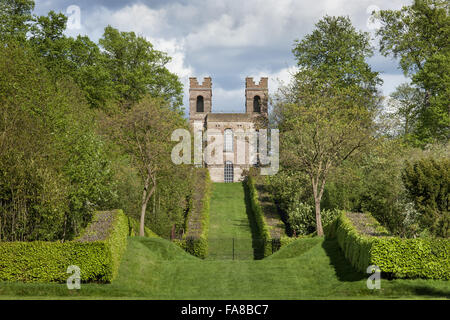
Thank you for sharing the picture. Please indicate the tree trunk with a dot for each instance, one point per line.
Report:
(317, 197)
(142, 221)
(318, 218)
(145, 197)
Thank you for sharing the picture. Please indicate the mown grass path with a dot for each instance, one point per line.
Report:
(311, 268)
(229, 224)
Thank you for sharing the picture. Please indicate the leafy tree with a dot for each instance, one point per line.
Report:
(54, 167)
(15, 19)
(47, 37)
(89, 69)
(407, 102)
(428, 182)
(327, 126)
(137, 69)
(418, 34)
(335, 53)
(325, 116)
(144, 132)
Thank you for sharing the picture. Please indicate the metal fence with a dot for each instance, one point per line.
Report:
(240, 248)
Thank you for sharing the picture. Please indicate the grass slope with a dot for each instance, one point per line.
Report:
(228, 221)
(305, 269)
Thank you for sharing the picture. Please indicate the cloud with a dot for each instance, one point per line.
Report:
(392, 81)
(227, 40)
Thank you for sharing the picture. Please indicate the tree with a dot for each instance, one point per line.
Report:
(407, 102)
(428, 181)
(15, 19)
(137, 69)
(54, 171)
(47, 37)
(144, 132)
(418, 34)
(326, 115)
(320, 131)
(335, 51)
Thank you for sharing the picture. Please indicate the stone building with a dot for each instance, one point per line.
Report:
(227, 137)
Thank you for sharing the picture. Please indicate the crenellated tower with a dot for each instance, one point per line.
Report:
(256, 96)
(200, 97)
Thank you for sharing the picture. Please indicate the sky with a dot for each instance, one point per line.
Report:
(226, 40)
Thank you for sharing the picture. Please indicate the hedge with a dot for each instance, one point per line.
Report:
(134, 226)
(258, 214)
(398, 257)
(97, 252)
(198, 245)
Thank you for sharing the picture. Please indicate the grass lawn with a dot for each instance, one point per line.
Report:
(306, 269)
(309, 268)
(229, 222)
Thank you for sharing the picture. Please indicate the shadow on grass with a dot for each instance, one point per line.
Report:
(433, 292)
(343, 268)
(257, 243)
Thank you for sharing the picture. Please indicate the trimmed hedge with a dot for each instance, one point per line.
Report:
(400, 258)
(258, 214)
(198, 246)
(97, 252)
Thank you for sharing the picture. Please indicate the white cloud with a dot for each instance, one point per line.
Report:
(140, 19)
(391, 81)
(231, 39)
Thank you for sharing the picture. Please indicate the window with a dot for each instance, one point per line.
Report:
(257, 104)
(228, 140)
(228, 172)
(200, 104)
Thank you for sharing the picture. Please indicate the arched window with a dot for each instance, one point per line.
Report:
(200, 104)
(257, 104)
(228, 172)
(228, 140)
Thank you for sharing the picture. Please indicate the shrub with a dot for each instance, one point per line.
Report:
(258, 215)
(412, 258)
(401, 258)
(428, 182)
(97, 252)
(197, 244)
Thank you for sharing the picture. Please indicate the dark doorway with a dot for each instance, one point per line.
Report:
(228, 172)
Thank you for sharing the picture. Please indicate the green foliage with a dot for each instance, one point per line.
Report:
(301, 218)
(412, 258)
(98, 259)
(133, 225)
(137, 69)
(402, 258)
(54, 166)
(15, 19)
(418, 34)
(408, 102)
(194, 243)
(285, 240)
(326, 114)
(143, 134)
(335, 52)
(428, 183)
(263, 230)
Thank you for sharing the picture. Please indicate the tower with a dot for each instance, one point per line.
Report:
(256, 96)
(200, 96)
